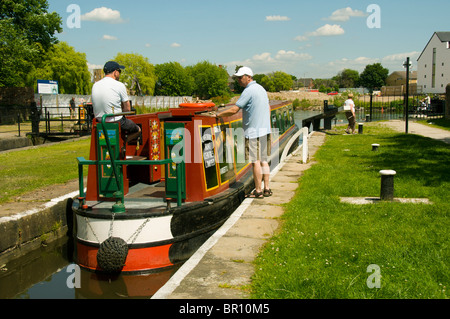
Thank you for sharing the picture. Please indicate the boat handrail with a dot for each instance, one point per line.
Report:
(114, 164)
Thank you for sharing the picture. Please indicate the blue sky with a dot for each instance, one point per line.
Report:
(304, 38)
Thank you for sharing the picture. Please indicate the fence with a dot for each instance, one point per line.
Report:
(393, 107)
(59, 104)
(54, 116)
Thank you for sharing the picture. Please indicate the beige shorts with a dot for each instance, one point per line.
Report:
(258, 149)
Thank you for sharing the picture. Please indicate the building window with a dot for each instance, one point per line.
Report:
(433, 70)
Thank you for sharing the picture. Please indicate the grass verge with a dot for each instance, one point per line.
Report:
(27, 170)
(325, 247)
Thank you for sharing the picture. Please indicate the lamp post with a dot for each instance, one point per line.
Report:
(407, 65)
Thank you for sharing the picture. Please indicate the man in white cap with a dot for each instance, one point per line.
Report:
(254, 103)
(110, 96)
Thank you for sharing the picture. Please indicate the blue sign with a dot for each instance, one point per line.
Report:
(47, 87)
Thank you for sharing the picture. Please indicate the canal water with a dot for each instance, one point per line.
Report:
(50, 273)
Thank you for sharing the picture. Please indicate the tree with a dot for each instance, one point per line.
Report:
(16, 55)
(173, 80)
(277, 81)
(374, 76)
(209, 80)
(27, 31)
(31, 18)
(63, 64)
(347, 78)
(137, 66)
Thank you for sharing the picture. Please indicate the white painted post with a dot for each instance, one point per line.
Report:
(305, 145)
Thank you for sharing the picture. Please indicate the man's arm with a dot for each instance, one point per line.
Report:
(126, 106)
(229, 111)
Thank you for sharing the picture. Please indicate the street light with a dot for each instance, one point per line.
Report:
(407, 65)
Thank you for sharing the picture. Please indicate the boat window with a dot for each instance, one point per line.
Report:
(280, 122)
(209, 157)
(274, 119)
(286, 120)
(239, 145)
(224, 147)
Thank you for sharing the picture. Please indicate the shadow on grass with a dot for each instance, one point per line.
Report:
(415, 156)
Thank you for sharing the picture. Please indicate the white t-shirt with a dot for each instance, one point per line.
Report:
(349, 105)
(107, 97)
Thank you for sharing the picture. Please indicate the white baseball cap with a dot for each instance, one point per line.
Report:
(244, 71)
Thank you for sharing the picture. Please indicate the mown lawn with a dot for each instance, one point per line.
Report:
(27, 170)
(324, 247)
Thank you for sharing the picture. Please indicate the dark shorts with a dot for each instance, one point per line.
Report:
(125, 124)
(258, 149)
(128, 125)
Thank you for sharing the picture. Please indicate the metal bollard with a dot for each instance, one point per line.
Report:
(360, 128)
(375, 147)
(387, 184)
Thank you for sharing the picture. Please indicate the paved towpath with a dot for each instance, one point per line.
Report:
(420, 129)
(222, 267)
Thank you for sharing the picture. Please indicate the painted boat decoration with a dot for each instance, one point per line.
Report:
(152, 202)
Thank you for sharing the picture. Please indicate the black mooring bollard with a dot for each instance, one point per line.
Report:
(375, 147)
(360, 128)
(387, 184)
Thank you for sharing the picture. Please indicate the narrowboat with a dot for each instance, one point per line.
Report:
(150, 203)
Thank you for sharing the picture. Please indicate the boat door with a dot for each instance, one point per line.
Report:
(174, 148)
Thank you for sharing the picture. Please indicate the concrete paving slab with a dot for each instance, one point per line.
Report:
(254, 228)
(263, 211)
(215, 279)
(236, 248)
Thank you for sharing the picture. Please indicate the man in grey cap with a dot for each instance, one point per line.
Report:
(254, 103)
(110, 96)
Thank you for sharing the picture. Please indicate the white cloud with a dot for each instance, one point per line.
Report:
(344, 14)
(327, 30)
(277, 18)
(393, 62)
(301, 38)
(265, 62)
(147, 45)
(283, 55)
(175, 45)
(94, 66)
(401, 56)
(103, 14)
(323, 31)
(110, 37)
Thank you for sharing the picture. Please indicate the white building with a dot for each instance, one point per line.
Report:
(433, 64)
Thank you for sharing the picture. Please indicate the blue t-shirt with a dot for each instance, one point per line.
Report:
(254, 103)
